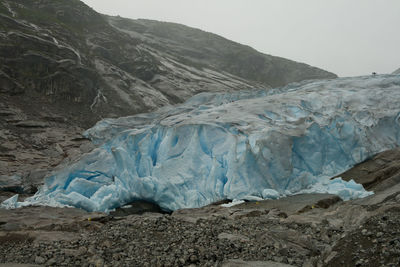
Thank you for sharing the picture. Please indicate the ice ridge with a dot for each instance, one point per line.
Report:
(244, 145)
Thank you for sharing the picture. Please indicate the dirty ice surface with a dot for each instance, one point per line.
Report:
(243, 145)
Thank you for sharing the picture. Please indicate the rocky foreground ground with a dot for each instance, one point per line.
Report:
(302, 230)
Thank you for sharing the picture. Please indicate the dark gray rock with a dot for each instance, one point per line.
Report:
(241, 263)
(33, 180)
(32, 124)
(12, 183)
(39, 260)
(377, 173)
(233, 237)
(138, 207)
(8, 85)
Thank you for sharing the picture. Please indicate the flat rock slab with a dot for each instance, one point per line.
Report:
(293, 204)
(240, 263)
(282, 207)
(233, 237)
(10, 264)
(45, 218)
(37, 236)
(380, 196)
(378, 173)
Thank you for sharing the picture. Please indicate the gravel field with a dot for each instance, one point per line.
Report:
(268, 233)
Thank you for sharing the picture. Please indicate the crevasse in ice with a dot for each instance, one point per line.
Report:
(243, 145)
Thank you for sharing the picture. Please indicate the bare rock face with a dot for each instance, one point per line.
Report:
(378, 173)
(32, 144)
(397, 71)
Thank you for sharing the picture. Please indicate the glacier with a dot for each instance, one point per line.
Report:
(245, 145)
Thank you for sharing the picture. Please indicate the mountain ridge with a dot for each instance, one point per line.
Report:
(219, 55)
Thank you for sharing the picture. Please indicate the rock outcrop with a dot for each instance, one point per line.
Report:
(377, 173)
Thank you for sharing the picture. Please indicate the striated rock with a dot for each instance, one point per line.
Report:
(197, 48)
(378, 173)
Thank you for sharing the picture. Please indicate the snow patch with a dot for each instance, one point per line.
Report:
(233, 203)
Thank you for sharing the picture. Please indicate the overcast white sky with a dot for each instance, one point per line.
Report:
(347, 37)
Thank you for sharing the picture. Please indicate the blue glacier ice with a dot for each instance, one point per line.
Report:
(243, 145)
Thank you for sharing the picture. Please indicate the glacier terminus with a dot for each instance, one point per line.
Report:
(250, 145)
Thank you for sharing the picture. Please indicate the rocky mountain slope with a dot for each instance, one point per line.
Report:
(397, 71)
(64, 66)
(78, 62)
(201, 49)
